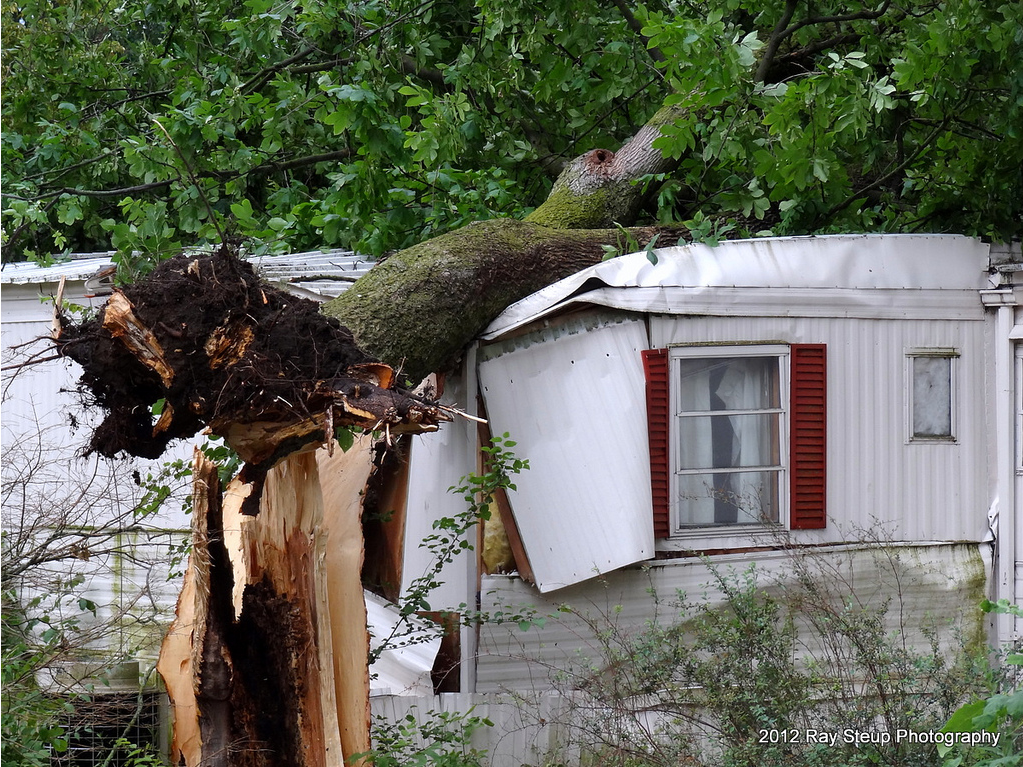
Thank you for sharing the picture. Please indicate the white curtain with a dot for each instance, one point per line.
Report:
(711, 439)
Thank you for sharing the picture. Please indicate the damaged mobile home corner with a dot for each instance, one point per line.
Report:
(885, 374)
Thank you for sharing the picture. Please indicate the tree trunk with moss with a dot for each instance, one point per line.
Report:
(418, 309)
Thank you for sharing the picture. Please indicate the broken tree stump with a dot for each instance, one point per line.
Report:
(266, 662)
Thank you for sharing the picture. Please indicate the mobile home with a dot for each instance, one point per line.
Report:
(721, 406)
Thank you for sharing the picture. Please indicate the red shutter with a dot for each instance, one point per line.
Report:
(655, 366)
(808, 433)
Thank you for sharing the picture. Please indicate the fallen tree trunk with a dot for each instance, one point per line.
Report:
(418, 309)
(267, 660)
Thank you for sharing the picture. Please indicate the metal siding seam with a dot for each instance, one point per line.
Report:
(808, 459)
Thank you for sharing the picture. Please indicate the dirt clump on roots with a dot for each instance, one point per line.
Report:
(203, 342)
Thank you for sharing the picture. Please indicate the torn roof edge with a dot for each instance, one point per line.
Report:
(825, 262)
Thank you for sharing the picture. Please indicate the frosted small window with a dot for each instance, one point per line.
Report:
(933, 397)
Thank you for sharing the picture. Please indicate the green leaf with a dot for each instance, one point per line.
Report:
(243, 210)
(87, 605)
(345, 438)
(962, 720)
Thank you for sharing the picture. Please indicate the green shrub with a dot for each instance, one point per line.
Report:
(774, 674)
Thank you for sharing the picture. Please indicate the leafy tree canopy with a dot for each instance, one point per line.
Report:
(145, 126)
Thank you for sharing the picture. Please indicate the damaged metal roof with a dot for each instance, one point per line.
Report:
(666, 282)
(77, 266)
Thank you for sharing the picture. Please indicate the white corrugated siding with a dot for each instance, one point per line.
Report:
(571, 397)
(33, 396)
(438, 462)
(915, 491)
(524, 732)
(42, 408)
(130, 578)
(1017, 489)
(925, 583)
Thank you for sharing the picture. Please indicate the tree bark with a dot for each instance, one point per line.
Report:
(418, 309)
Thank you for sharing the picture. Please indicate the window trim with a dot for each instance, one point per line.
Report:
(937, 352)
(1018, 405)
(806, 489)
(781, 353)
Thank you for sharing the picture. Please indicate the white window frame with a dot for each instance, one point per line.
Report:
(781, 353)
(944, 352)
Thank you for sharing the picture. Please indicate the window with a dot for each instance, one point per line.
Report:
(727, 449)
(932, 395)
(737, 436)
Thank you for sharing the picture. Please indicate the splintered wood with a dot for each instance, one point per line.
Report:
(266, 662)
(120, 320)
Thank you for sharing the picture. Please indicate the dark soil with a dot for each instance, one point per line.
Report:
(294, 350)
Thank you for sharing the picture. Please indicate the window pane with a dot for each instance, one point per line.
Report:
(728, 441)
(932, 397)
(728, 498)
(728, 383)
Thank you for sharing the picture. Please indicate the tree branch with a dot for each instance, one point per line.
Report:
(816, 47)
(321, 66)
(93, 192)
(69, 168)
(880, 180)
(94, 110)
(16, 234)
(777, 35)
(267, 167)
(300, 162)
(257, 80)
(54, 195)
(635, 26)
(783, 30)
